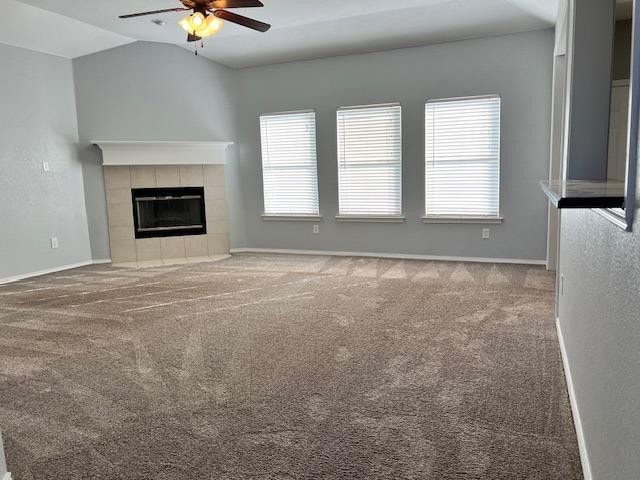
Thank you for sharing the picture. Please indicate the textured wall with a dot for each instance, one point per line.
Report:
(598, 305)
(38, 118)
(600, 319)
(516, 67)
(147, 91)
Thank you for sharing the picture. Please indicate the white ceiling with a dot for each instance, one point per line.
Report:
(36, 29)
(304, 29)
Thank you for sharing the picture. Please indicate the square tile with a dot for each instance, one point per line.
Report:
(150, 263)
(143, 177)
(123, 251)
(121, 233)
(148, 249)
(191, 176)
(174, 261)
(126, 264)
(120, 215)
(172, 247)
(119, 195)
(218, 226)
(196, 246)
(167, 176)
(214, 175)
(215, 193)
(117, 177)
(218, 243)
(198, 259)
(218, 258)
(216, 210)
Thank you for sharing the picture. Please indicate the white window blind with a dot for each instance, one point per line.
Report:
(370, 160)
(463, 157)
(289, 165)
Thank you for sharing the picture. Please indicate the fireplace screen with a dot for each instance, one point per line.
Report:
(167, 212)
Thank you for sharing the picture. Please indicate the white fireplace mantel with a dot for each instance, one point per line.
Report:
(162, 153)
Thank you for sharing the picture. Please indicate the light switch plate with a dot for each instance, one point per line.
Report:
(46, 167)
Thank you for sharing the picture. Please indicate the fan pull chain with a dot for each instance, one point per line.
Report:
(195, 46)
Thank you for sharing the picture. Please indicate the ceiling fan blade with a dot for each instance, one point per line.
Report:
(218, 4)
(153, 12)
(240, 20)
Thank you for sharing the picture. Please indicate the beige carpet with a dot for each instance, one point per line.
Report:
(285, 367)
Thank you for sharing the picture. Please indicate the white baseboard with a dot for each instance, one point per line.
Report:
(582, 447)
(52, 270)
(401, 256)
(7, 476)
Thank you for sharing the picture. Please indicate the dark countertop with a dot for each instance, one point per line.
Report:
(585, 193)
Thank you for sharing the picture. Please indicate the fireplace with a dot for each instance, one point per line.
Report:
(155, 213)
(168, 212)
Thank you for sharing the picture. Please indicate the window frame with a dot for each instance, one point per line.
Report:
(467, 218)
(375, 217)
(289, 216)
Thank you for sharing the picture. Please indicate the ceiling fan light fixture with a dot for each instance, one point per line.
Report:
(185, 23)
(194, 25)
(197, 20)
(211, 26)
(200, 24)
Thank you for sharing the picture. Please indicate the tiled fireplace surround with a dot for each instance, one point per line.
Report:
(127, 250)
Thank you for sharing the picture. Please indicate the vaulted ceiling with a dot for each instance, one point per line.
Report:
(302, 29)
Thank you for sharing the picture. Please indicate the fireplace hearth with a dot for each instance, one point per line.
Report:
(168, 212)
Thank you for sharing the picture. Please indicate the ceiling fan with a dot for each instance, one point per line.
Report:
(208, 15)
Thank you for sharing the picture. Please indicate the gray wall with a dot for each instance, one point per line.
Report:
(600, 322)
(590, 58)
(598, 306)
(600, 318)
(517, 67)
(38, 118)
(148, 91)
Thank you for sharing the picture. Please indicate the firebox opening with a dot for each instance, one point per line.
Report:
(168, 212)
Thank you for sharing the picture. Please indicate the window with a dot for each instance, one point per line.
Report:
(462, 157)
(289, 166)
(370, 161)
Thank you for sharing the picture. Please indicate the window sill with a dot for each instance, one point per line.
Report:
(486, 220)
(292, 218)
(371, 218)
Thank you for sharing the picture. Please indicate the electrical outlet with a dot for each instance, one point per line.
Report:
(316, 229)
(46, 167)
(54, 242)
(486, 233)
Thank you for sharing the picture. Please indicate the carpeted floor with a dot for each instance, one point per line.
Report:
(285, 367)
